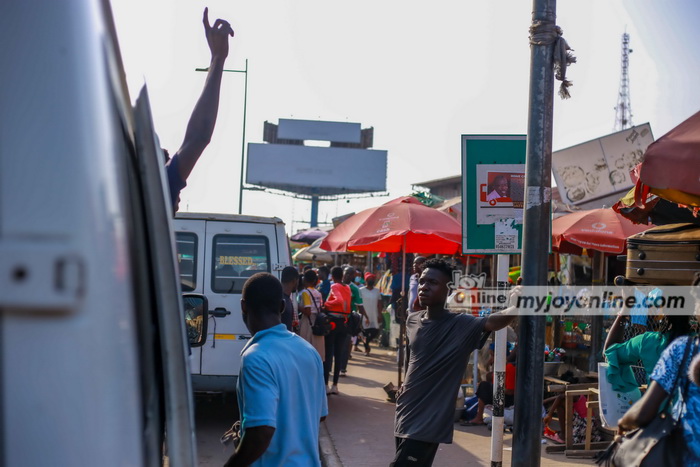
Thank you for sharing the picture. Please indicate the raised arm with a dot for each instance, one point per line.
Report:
(203, 119)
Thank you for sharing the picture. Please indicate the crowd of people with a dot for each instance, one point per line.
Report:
(439, 342)
(281, 316)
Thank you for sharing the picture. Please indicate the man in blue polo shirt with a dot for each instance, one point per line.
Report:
(281, 391)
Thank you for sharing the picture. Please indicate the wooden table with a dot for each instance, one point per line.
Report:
(557, 385)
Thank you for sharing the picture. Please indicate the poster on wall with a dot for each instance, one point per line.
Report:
(500, 192)
(600, 167)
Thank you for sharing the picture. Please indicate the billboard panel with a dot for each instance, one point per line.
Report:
(338, 132)
(315, 170)
(600, 167)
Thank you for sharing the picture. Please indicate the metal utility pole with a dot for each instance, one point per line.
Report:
(623, 109)
(314, 211)
(536, 233)
(245, 109)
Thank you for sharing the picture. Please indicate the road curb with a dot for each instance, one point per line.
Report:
(329, 456)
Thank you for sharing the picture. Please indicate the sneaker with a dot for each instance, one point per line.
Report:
(328, 390)
(343, 372)
(334, 389)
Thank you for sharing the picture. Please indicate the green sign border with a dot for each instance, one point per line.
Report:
(477, 150)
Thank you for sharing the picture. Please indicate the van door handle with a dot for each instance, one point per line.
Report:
(219, 312)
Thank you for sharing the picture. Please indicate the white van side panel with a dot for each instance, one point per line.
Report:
(222, 240)
(57, 140)
(191, 238)
(228, 335)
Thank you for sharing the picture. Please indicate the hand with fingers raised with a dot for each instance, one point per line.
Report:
(217, 36)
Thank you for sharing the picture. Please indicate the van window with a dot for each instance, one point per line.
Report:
(235, 259)
(187, 260)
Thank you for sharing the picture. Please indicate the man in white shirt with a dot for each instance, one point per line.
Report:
(372, 300)
(413, 304)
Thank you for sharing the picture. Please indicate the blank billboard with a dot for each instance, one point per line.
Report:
(312, 170)
(338, 132)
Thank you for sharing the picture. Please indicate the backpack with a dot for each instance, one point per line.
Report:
(354, 323)
(322, 325)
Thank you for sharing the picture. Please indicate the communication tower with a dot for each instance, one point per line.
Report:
(623, 109)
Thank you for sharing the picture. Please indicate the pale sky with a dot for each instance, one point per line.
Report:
(420, 73)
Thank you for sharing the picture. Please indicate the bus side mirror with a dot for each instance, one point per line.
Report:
(196, 318)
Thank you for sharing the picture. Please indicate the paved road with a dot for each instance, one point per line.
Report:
(359, 428)
(214, 414)
(360, 423)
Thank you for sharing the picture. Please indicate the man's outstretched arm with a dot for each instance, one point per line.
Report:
(203, 119)
(498, 321)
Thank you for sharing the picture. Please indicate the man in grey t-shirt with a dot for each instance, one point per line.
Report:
(439, 344)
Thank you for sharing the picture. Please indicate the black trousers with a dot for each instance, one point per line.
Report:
(370, 334)
(414, 453)
(336, 349)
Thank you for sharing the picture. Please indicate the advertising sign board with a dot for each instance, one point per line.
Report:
(493, 193)
(600, 167)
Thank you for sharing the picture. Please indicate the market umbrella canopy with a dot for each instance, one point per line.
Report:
(309, 255)
(641, 206)
(398, 223)
(654, 210)
(598, 229)
(403, 224)
(308, 236)
(671, 164)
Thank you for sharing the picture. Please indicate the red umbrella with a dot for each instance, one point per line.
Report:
(671, 164)
(403, 224)
(598, 229)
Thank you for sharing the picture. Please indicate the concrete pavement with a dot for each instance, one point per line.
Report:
(359, 428)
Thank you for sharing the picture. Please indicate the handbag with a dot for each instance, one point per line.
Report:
(322, 325)
(660, 443)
